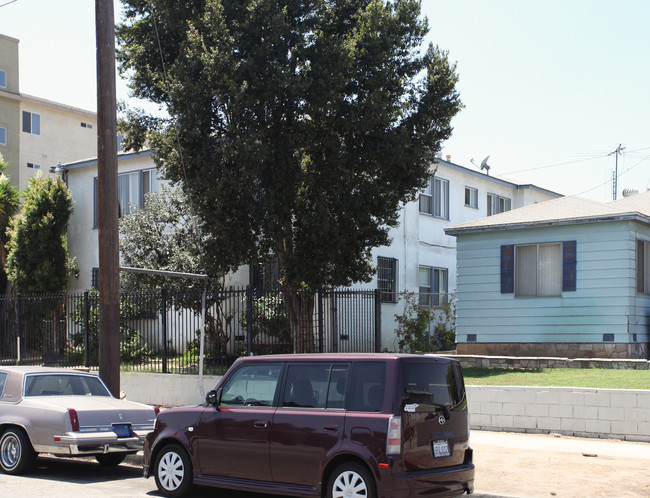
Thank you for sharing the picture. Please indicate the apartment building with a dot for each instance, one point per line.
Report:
(35, 133)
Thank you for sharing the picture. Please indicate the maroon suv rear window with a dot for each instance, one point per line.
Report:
(426, 384)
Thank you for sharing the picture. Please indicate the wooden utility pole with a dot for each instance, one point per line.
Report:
(109, 281)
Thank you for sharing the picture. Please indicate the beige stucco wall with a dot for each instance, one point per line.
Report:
(62, 138)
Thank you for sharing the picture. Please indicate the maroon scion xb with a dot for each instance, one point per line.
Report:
(331, 425)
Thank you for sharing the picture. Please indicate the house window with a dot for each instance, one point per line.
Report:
(433, 286)
(387, 279)
(264, 275)
(643, 267)
(3, 79)
(149, 182)
(435, 198)
(497, 204)
(471, 197)
(538, 270)
(34, 166)
(94, 278)
(31, 123)
(131, 189)
(3, 136)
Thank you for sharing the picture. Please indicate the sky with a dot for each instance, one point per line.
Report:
(550, 89)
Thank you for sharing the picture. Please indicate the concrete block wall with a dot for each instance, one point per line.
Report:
(600, 413)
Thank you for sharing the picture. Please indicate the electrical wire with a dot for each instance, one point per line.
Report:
(619, 176)
(7, 3)
(553, 165)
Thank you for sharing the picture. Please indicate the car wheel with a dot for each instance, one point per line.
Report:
(110, 459)
(173, 471)
(16, 452)
(351, 479)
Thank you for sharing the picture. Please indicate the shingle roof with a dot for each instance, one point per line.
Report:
(561, 211)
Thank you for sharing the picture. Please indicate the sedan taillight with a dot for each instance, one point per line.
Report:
(394, 436)
(74, 420)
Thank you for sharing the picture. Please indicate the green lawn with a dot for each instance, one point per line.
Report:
(560, 377)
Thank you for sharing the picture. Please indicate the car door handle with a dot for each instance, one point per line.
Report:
(263, 424)
(331, 428)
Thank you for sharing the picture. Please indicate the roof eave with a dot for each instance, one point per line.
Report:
(549, 223)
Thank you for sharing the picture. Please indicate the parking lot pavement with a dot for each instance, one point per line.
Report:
(542, 465)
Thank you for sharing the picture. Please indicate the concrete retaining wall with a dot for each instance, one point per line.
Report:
(601, 413)
(165, 389)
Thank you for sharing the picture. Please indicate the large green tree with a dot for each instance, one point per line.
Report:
(297, 127)
(38, 254)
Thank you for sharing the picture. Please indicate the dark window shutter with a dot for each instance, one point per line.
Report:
(507, 269)
(569, 266)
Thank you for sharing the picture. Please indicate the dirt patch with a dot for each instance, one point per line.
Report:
(536, 473)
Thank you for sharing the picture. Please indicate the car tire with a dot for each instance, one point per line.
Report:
(173, 471)
(110, 459)
(16, 453)
(351, 479)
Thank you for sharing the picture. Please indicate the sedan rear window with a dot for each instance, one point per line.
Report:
(64, 385)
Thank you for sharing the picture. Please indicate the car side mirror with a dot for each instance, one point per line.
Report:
(214, 397)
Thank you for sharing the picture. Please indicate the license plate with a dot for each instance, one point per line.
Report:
(122, 430)
(441, 448)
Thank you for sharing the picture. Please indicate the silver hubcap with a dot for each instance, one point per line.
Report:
(10, 451)
(171, 471)
(349, 484)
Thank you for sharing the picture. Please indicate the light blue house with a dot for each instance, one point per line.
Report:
(567, 277)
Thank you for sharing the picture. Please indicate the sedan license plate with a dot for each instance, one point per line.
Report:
(441, 448)
(122, 430)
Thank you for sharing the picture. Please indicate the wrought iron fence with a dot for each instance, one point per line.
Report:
(161, 331)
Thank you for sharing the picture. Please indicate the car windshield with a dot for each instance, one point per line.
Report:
(64, 385)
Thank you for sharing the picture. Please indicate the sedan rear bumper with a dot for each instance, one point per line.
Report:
(94, 443)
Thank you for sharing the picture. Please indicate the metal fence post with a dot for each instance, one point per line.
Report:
(320, 321)
(377, 321)
(164, 330)
(86, 305)
(19, 327)
(249, 319)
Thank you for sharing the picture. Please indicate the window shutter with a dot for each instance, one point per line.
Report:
(569, 266)
(507, 269)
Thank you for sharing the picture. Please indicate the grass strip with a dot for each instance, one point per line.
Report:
(558, 377)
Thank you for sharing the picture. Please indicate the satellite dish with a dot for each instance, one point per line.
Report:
(485, 165)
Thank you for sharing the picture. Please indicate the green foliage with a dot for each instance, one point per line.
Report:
(132, 348)
(9, 204)
(38, 259)
(161, 236)
(413, 326)
(296, 128)
(269, 318)
(412, 333)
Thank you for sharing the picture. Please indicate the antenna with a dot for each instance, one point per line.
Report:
(485, 165)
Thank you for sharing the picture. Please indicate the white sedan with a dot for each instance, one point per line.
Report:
(66, 413)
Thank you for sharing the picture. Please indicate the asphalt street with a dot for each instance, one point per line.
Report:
(507, 465)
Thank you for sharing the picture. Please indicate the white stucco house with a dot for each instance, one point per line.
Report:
(567, 277)
(421, 257)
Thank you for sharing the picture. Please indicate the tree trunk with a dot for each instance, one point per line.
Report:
(300, 309)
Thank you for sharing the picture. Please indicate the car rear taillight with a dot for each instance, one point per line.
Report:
(74, 420)
(394, 436)
(156, 410)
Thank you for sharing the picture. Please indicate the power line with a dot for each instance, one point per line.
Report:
(606, 182)
(7, 3)
(554, 165)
